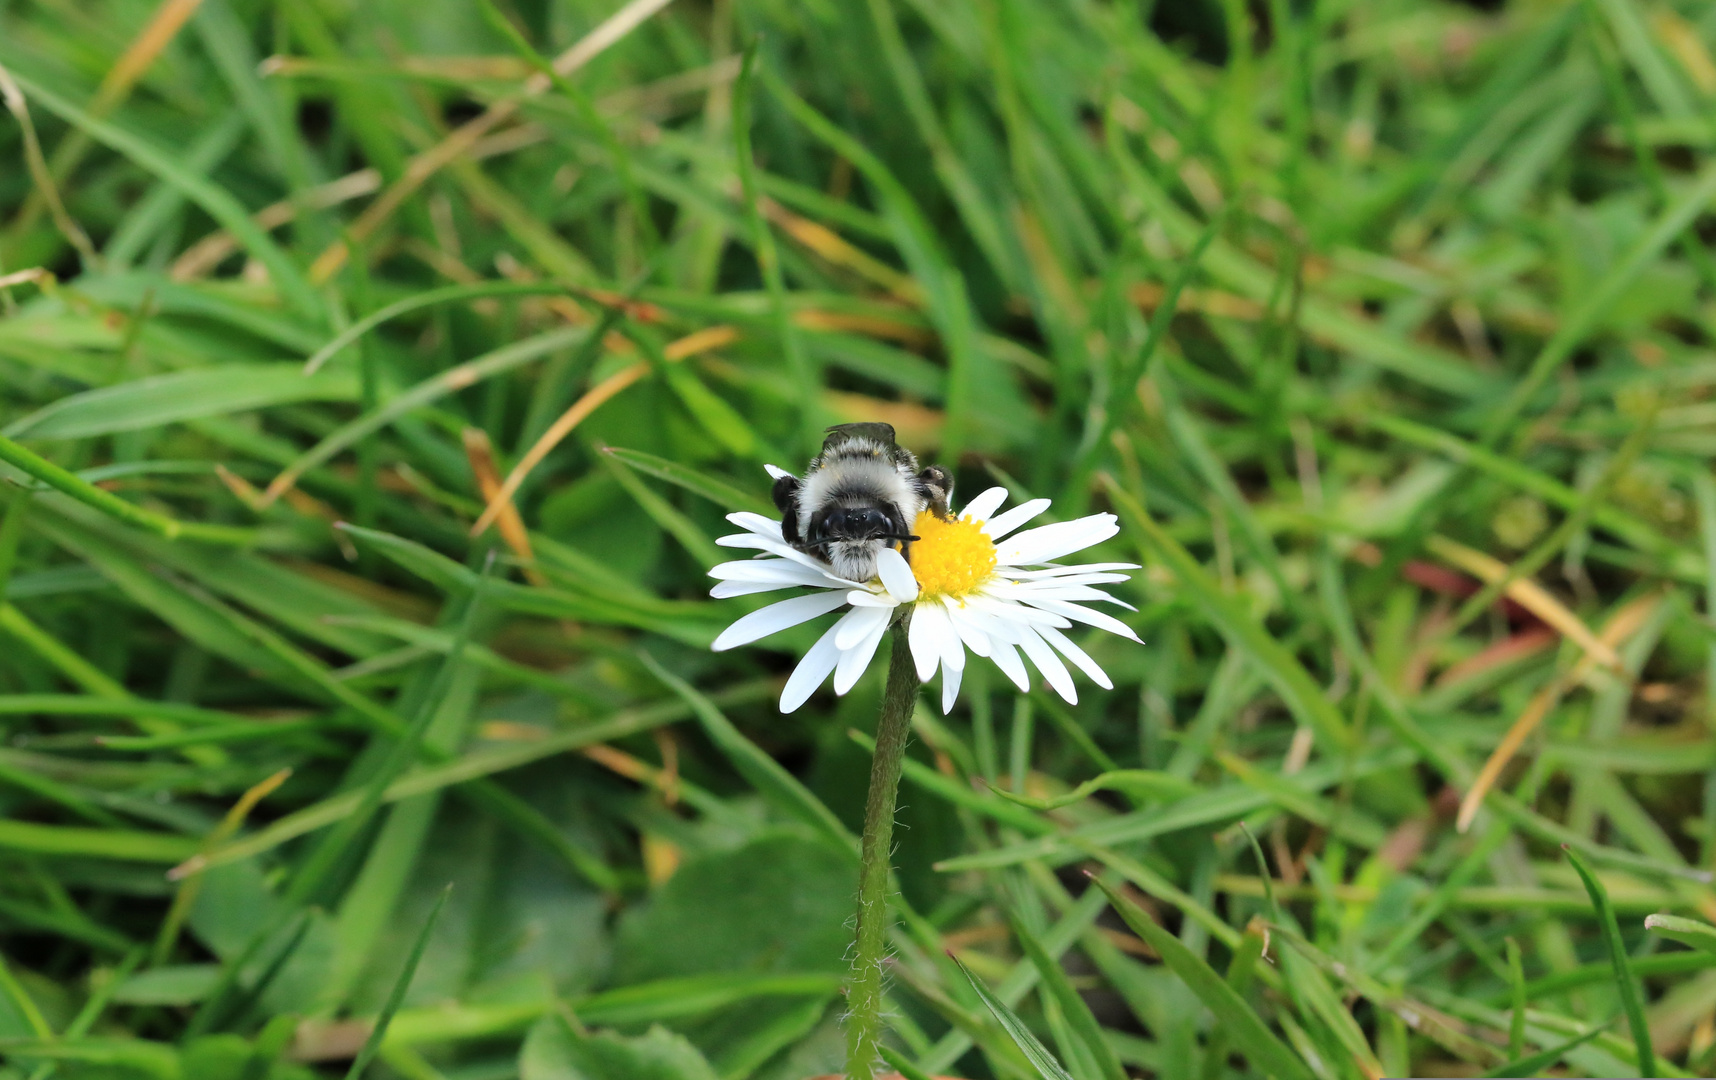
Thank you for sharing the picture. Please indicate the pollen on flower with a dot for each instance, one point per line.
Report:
(950, 558)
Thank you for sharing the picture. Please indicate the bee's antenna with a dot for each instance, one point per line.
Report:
(860, 539)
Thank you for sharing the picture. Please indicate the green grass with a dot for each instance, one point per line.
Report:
(1339, 306)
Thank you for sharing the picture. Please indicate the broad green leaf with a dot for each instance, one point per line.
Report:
(786, 901)
(157, 400)
(553, 1051)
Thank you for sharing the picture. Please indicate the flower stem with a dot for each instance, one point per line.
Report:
(864, 996)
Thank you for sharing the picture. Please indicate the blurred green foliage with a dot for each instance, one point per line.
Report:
(1385, 327)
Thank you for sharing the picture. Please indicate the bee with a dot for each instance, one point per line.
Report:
(862, 491)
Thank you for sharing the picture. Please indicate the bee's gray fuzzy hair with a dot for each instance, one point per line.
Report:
(861, 492)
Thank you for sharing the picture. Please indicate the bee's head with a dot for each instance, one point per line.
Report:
(865, 521)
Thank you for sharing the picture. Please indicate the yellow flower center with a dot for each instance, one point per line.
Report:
(950, 558)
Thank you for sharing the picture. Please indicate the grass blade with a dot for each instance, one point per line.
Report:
(1078, 1014)
(400, 986)
(1266, 1051)
(1532, 1064)
(1689, 932)
(1626, 984)
(1038, 1054)
(1285, 673)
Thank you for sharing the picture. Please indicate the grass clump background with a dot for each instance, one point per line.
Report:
(1385, 327)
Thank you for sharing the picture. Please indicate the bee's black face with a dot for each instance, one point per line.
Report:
(855, 523)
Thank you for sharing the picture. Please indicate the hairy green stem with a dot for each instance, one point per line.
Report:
(864, 997)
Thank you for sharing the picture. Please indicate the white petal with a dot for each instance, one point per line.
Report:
(1036, 577)
(1053, 541)
(775, 471)
(1011, 611)
(856, 625)
(939, 629)
(1076, 568)
(1007, 659)
(1031, 592)
(896, 575)
(854, 660)
(1078, 656)
(1045, 590)
(985, 504)
(950, 687)
(725, 589)
(781, 571)
(1050, 665)
(997, 527)
(926, 649)
(866, 598)
(811, 671)
(757, 523)
(787, 552)
(968, 624)
(1085, 615)
(777, 617)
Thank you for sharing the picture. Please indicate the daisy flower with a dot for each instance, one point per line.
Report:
(972, 582)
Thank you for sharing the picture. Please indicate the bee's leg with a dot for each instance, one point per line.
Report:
(785, 494)
(936, 485)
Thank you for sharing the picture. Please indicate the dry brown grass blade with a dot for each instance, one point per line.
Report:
(206, 254)
(456, 145)
(1527, 594)
(712, 337)
(834, 249)
(136, 61)
(115, 87)
(480, 453)
(1509, 650)
(1150, 294)
(40, 174)
(1622, 625)
(869, 325)
(191, 881)
(916, 425)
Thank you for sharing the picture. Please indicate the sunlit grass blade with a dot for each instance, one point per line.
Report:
(1035, 1052)
(1078, 1015)
(1689, 932)
(715, 490)
(32, 463)
(1139, 784)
